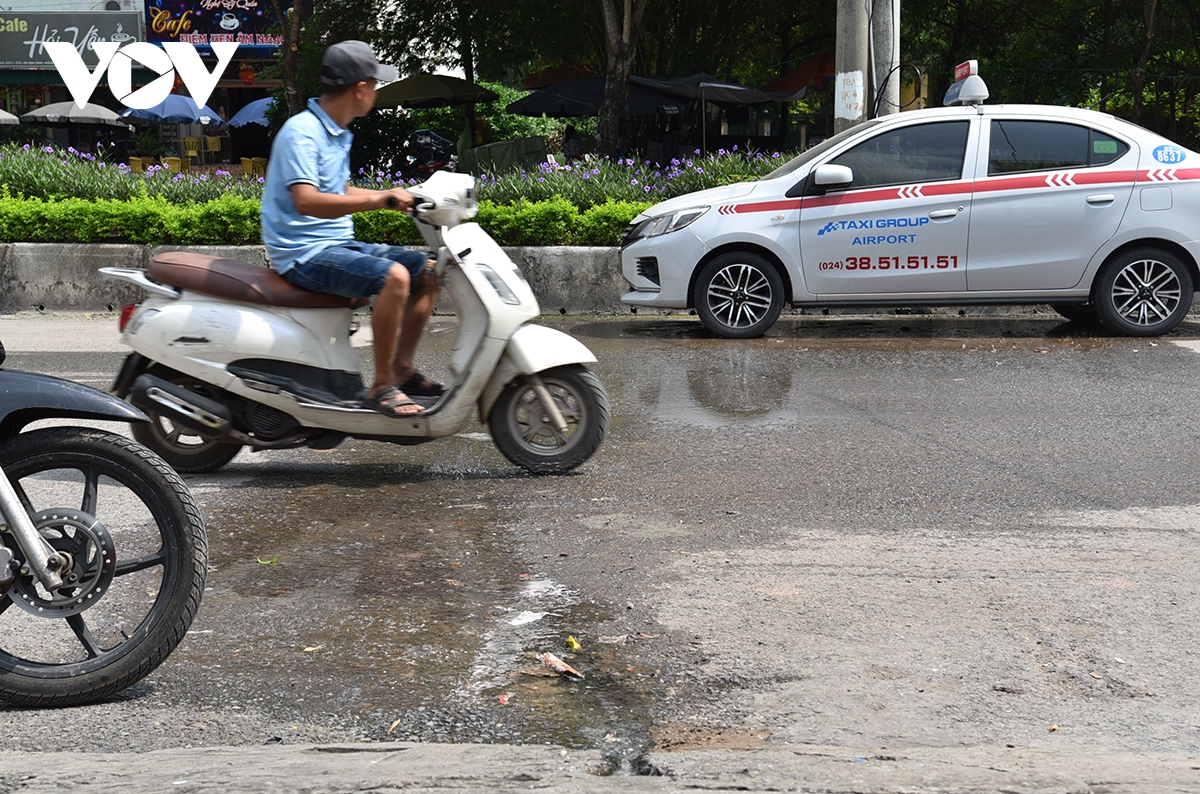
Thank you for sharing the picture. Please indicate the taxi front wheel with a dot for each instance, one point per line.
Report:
(1143, 292)
(738, 295)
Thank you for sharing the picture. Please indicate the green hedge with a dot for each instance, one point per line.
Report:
(233, 220)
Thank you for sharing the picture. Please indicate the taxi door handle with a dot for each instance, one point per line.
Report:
(1101, 198)
(943, 214)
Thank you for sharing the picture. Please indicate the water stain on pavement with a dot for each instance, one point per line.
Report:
(391, 595)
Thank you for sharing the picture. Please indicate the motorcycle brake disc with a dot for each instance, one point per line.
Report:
(91, 562)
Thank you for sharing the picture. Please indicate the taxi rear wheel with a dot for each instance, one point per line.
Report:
(738, 295)
(1143, 292)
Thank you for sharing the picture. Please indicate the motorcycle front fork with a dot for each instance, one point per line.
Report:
(41, 559)
(553, 415)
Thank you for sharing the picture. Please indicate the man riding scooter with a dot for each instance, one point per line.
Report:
(309, 235)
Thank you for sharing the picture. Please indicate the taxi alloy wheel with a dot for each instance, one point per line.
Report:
(738, 295)
(1143, 292)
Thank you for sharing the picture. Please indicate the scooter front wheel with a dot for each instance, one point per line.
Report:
(527, 436)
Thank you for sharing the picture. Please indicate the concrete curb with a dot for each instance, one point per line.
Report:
(64, 277)
(406, 766)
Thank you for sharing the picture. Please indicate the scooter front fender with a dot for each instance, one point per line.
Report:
(532, 349)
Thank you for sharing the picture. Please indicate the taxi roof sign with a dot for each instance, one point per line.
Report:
(965, 70)
(968, 87)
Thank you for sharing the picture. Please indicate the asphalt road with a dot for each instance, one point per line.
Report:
(859, 554)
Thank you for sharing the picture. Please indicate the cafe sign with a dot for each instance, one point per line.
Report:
(203, 23)
(23, 35)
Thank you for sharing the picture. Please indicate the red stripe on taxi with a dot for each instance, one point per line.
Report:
(1023, 182)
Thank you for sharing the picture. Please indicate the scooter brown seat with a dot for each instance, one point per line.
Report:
(240, 281)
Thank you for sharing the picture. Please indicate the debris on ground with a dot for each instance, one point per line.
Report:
(559, 666)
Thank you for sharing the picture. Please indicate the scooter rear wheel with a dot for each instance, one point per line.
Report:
(525, 435)
(187, 451)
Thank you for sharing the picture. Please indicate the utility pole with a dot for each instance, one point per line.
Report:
(852, 58)
(885, 56)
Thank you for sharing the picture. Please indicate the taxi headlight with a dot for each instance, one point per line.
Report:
(663, 224)
(673, 221)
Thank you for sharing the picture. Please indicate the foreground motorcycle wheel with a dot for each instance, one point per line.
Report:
(187, 451)
(525, 435)
(138, 555)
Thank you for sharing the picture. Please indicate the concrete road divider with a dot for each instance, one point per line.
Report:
(64, 276)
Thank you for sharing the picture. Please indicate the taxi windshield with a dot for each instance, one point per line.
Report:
(816, 151)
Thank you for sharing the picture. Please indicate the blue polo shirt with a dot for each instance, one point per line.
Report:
(312, 149)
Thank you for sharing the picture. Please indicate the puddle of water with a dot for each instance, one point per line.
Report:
(394, 597)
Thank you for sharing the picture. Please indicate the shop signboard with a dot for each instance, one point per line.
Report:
(24, 34)
(205, 22)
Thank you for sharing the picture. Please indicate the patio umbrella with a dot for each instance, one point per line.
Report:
(176, 109)
(8, 118)
(60, 113)
(254, 113)
(432, 91)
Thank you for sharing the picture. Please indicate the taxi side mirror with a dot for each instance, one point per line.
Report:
(822, 178)
(830, 176)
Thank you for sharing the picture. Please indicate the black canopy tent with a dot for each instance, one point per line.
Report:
(706, 88)
(583, 98)
(647, 96)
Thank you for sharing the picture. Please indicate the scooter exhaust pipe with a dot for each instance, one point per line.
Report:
(193, 411)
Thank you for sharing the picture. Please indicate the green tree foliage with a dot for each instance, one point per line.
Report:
(1135, 58)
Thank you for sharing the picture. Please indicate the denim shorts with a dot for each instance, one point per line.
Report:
(354, 269)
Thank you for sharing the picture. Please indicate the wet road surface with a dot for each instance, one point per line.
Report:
(926, 530)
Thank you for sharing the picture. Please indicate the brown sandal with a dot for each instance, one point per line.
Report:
(388, 401)
(423, 386)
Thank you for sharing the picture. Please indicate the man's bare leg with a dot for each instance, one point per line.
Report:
(387, 318)
(421, 303)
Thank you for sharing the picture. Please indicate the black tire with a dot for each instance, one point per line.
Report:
(1077, 312)
(140, 555)
(524, 435)
(187, 451)
(738, 295)
(1143, 292)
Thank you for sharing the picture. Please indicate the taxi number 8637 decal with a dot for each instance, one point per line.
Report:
(862, 263)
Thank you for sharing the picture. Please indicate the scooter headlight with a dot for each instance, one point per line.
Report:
(502, 289)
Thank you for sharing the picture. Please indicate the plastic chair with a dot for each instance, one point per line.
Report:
(191, 147)
(260, 166)
(212, 146)
(247, 167)
(177, 165)
(135, 165)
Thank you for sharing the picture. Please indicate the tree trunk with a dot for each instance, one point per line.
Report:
(466, 55)
(620, 45)
(289, 26)
(1139, 75)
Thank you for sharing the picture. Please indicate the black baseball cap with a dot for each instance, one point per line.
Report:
(351, 62)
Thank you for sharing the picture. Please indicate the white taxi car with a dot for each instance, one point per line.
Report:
(964, 204)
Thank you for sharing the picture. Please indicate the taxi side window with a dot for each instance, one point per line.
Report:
(1019, 146)
(917, 153)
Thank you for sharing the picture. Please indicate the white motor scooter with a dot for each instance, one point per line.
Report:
(229, 354)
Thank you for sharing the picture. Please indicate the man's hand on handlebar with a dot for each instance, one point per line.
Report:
(396, 199)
